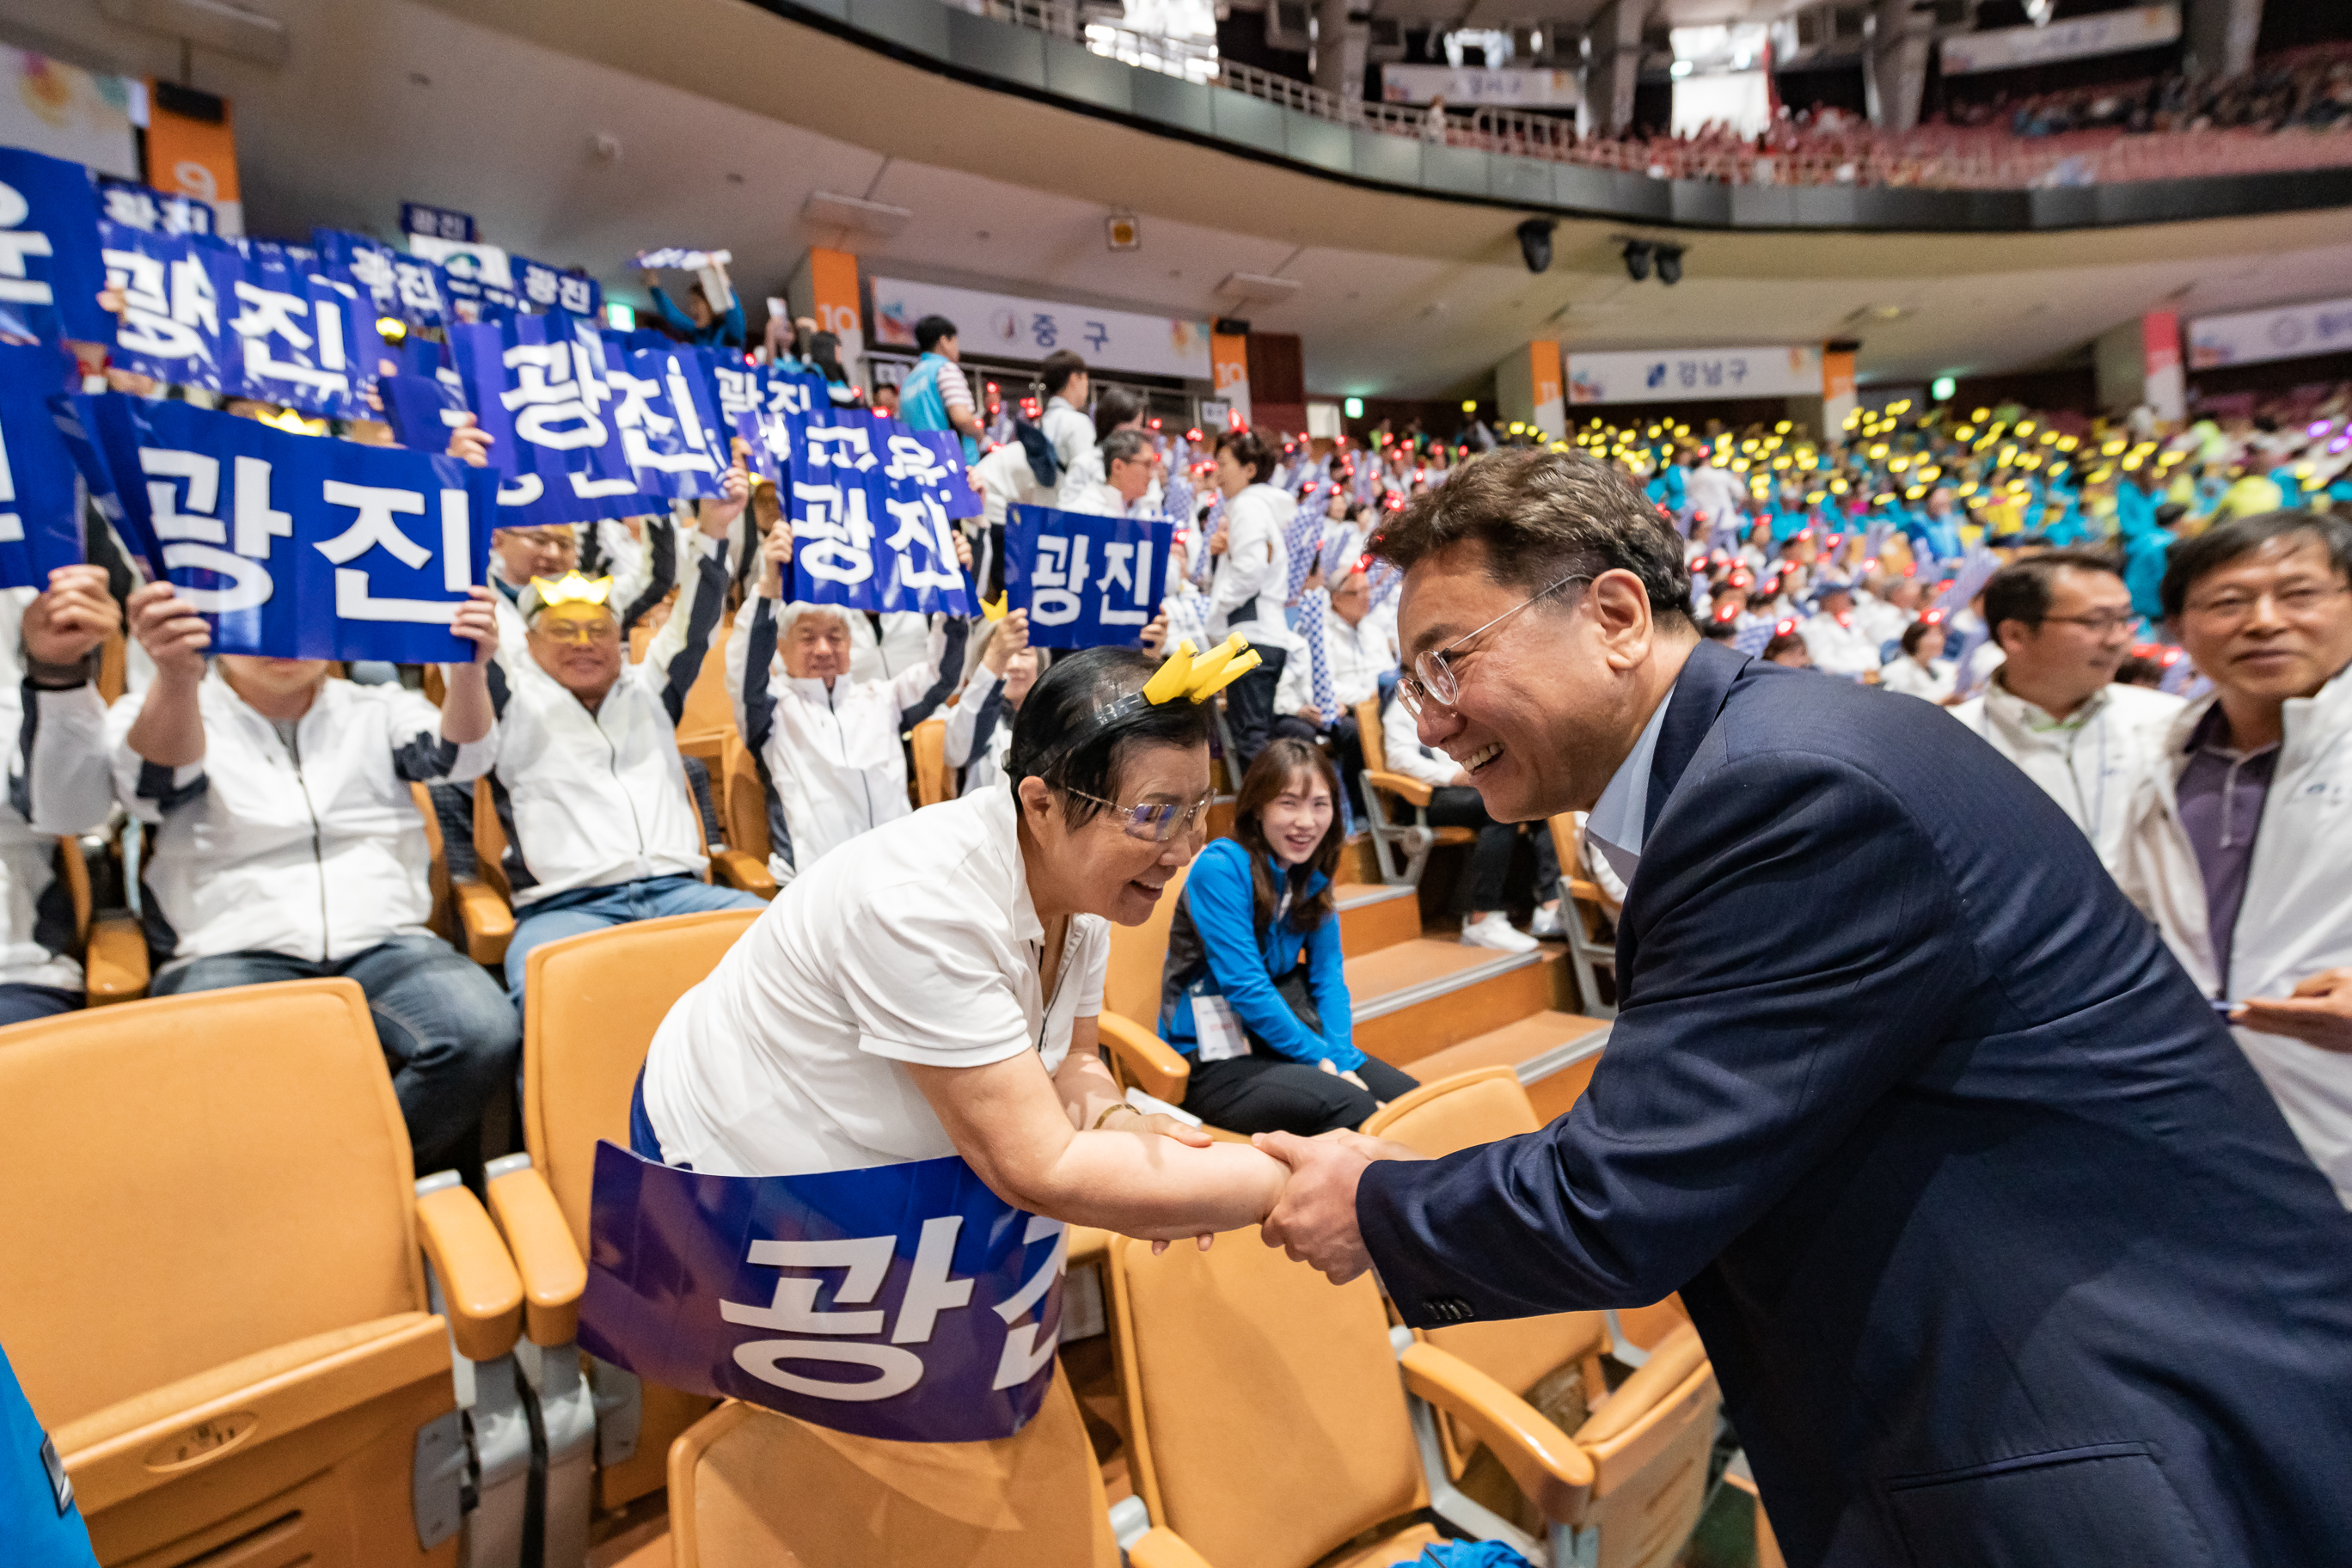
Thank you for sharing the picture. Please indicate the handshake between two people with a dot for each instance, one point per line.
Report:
(1313, 1215)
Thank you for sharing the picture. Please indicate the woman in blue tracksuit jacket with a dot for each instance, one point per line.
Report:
(1255, 991)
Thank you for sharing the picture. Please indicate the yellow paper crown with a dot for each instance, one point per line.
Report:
(571, 588)
(1202, 676)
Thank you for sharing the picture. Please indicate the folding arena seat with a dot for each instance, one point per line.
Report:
(113, 949)
(931, 779)
(752, 1488)
(216, 1300)
(1401, 848)
(1584, 920)
(591, 1005)
(1647, 1445)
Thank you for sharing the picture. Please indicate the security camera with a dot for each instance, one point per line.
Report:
(1534, 243)
(1637, 259)
(1670, 264)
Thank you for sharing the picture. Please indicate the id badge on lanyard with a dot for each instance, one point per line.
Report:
(901, 1301)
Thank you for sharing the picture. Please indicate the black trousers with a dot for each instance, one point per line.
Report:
(1485, 884)
(1263, 1092)
(1249, 704)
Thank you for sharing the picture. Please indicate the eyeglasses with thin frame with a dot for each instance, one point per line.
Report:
(2098, 625)
(1433, 678)
(1157, 821)
(2303, 603)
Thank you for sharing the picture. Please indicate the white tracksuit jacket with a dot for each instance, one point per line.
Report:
(58, 785)
(2296, 919)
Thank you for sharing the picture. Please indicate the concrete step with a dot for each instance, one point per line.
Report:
(1554, 1054)
(1372, 917)
(1418, 997)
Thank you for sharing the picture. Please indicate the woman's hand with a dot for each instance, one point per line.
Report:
(776, 552)
(1011, 636)
(1158, 1121)
(1328, 1066)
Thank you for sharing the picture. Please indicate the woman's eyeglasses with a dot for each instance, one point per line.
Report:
(1155, 820)
(1435, 680)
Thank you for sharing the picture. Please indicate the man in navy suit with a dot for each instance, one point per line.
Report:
(2000, 1250)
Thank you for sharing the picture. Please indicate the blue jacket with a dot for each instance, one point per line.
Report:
(2145, 545)
(2001, 1251)
(724, 330)
(924, 407)
(1214, 949)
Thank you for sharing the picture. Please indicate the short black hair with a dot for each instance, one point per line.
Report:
(1114, 406)
(1540, 516)
(2021, 590)
(2190, 559)
(1917, 633)
(1056, 714)
(1250, 450)
(1059, 366)
(931, 330)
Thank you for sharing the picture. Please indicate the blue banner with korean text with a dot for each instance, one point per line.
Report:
(906, 1302)
(50, 273)
(305, 339)
(1086, 580)
(539, 387)
(668, 419)
(299, 546)
(870, 526)
(172, 320)
(40, 508)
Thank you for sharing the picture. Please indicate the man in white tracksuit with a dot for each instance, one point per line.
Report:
(1250, 588)
(2240, 844)
(827, 745)
(287, 844)
(2064, 620)
(56, 775)
(601, 829)
(1834, 634)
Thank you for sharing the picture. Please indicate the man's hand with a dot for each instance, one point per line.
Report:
(1155, 635)
(470, 444)
(716, 517)
(2318, 1012)
(775, 553)
(477, 621)
(1010, 637)
(962, 550)
(1312, 714)
(1217, 541)
(173, 635)
(1315, 1220)
(71, 617)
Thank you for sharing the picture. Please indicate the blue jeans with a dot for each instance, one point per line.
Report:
(23, 1004)
(594, 909)
(446, 1037)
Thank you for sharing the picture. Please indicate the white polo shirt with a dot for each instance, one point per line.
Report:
(923, 946)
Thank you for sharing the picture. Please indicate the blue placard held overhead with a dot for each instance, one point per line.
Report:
(50, 272)
(304, 337)
(1086, 580)
(41, 509)
(172, 328)
(539, 386)
(300, 546)
(906, 1302)
(436, 223)
(669, 425)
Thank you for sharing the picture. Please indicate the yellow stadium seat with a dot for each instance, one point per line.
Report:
(1401, 849)
(752, 1488)
(1647, 1445)
(218, 1302)
(1585, 921)
(934, 781)
(743, 800)
(114, 958)
(591, 1005)
(1139, 955)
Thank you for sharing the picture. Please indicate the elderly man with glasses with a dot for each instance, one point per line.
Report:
(2242, 847)
(2063, 622)
(1999, 1250)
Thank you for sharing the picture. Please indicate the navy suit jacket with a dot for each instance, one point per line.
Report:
(2001, 1252)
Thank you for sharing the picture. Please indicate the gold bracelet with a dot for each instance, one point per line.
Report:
(1114, 1105)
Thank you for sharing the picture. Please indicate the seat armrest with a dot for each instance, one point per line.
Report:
(1412, 792)
(114, 964)
(1555, 1474)
(741, 869)
(480, 1292)
(484, 920)
(1149, 1062)
(1162, 1548)
(549, 1262)
(1671, 1362)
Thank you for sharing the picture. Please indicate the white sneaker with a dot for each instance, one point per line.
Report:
(1495, 930)
(1546, 921)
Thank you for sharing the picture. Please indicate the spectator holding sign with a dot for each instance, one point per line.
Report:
(1252, 581)
(1255, 988)
(979, 725)
(828, 743)
(285, 845)
(602, 828)
(697, 323)
(57, 727)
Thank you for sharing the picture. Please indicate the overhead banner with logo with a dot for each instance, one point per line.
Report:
(2080, 37)
(1672, 376)
(1464, 87)
(2285, 331)
(1019, 328)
